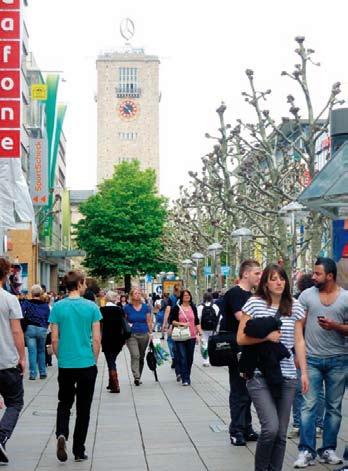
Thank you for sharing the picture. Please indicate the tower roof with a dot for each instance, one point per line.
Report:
(128, 55)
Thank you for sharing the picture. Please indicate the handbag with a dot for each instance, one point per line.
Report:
(223, 348)
(181, 333)
(151, 360)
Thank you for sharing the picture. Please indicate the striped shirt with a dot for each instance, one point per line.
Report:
(257, 307)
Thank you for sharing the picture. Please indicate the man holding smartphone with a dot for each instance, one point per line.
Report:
(326, 305)
(12, 360)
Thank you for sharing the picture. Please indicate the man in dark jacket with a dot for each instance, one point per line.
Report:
(240, 428)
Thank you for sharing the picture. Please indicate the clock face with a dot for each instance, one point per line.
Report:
(128, 109)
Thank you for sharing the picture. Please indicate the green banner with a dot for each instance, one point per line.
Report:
(54, 123)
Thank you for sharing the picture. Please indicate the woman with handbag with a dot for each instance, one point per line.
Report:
(186, 329)
(139, 316)
(273, 298)
(113, 337)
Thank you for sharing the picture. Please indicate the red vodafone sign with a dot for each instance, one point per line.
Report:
(10, 78)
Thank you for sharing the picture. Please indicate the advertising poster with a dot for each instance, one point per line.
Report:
(18, 278)
(157, 288)
(340, 250)
(168, 285)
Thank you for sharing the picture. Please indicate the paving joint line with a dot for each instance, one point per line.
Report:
(183, 426)
(97, 418)
(44, 448)
(203, 371)
(35, 396)
(136, 414)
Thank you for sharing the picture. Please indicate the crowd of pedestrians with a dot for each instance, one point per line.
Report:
(290, 353)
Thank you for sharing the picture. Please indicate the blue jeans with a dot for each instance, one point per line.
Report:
(297, 404)
(35, 339)
(172, 350)
(184, 352)
(331, 372)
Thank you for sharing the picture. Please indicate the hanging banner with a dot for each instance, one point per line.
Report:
(340, 250)
(10, 4)
(10, 86)
(38, 169)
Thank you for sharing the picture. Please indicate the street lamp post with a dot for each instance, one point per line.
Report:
(197, 257)
(242, 235)
(215, 250)
(290, 213)
(187, 264)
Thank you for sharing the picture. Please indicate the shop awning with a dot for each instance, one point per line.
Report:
(328, 192)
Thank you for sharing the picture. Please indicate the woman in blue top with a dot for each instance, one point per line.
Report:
(36, 313)
(138, 315)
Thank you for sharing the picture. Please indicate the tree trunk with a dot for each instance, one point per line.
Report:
(127, 283)
(317, 235)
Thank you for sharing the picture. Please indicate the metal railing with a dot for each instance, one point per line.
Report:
(124, 92)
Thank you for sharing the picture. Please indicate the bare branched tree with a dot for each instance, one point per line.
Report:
(254, 169)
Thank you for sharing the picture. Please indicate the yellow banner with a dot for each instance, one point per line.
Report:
(39, 91)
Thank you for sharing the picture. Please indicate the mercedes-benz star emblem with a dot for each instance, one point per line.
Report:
(127, 28)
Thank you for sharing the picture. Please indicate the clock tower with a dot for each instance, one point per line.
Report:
(128, 110)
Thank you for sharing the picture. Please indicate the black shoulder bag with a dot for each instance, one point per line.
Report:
(223, 347)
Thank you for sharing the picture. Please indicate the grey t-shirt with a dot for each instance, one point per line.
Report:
(9, 309)
(321, 342)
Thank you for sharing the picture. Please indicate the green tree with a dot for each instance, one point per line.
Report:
(123, 225)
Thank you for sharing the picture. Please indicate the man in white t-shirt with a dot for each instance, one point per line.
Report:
(12, 360)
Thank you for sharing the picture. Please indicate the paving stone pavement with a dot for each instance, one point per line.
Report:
(157, 426)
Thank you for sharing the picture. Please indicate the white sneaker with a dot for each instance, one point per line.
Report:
(330, 457)
(304, 459)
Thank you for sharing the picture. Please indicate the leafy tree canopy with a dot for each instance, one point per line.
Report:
(123, 224)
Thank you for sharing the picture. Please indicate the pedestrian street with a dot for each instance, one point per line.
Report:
(157, 426)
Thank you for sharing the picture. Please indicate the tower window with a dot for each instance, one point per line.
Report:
(128, 82)
(125, 159)
(128, 136)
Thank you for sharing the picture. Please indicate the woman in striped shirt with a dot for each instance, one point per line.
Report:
(273, 296)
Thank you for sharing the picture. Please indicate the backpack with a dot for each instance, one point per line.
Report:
(209, 319)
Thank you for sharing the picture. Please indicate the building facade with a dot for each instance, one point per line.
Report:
(76, 198)
(128, 111)
(18, 230)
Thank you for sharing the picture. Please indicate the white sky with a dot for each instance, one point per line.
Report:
(204, 47)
